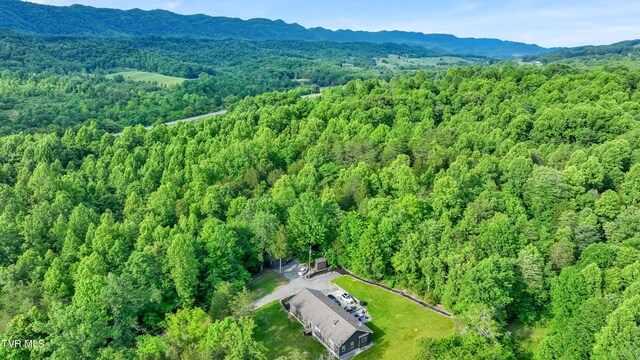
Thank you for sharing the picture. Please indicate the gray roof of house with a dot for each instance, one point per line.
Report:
(332, 320)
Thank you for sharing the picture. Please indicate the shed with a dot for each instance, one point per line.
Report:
(321, 264)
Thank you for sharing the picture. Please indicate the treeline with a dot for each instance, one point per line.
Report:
(625, 53)
(51, 83)
(179, 56)
(506, 194)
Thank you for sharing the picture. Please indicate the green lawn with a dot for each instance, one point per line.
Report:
(142, 76)
(528, 338)
(397, 323)
(265, 284)
(281, 336)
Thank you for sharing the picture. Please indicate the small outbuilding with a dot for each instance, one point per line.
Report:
(340, 332)
(321, 264)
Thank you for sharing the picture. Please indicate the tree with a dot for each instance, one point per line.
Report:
(561, 254)
(186, 332)
(499, 236)
(133, 294)
(279, 247)
(575, 336)
(490, 283)
(480, 320)
(544, 190)
(308, 224)
(626, 226)
(608, 206)
(534, 293)
(531, 266)
(151, 347)
(183, 267)
(265, 231)
(223, 253)
(81, 328)
(614, 156)
(469, 346)
(232, 340)
(620, 337)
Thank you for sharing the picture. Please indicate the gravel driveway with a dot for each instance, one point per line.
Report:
(297, 283)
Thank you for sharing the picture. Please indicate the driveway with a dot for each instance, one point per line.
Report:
(297, 283)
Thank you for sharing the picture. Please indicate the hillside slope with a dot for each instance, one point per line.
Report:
(85, 20)
(624, 52)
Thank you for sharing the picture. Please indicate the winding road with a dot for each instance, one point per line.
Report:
(217, 113)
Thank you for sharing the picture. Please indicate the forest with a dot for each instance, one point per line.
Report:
(624, 53)
(52, 83)
(508, 194)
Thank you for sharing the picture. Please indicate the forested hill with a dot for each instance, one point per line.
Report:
(84, 20)
(52, 83)
(507, 194)
(626, 52)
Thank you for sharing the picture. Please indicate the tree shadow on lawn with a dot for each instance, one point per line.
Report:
(380, 342)
(377, 332)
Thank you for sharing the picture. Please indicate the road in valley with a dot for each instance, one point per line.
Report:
(217, 113)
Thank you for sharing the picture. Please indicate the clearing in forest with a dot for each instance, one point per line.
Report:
(141, 76)
(397, 323)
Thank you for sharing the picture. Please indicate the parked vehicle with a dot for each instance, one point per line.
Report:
(303, 271)
(348, 298)
(334, 299)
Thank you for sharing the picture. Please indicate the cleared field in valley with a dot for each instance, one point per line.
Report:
(395, 61)
(142, 76)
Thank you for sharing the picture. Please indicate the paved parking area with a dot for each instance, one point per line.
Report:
(297, 283)
(355, 309)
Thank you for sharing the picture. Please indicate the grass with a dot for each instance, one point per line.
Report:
(142, 76)
(528, 338)
(397, 323)
(265, 284)
(282, 336)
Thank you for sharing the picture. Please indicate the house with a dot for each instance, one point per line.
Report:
(340, 332)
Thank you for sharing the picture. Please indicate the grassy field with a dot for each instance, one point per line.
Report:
(281, 336)
(265, 284)
(397, 323)
(528, 338)
(399, 62)
(142, 76)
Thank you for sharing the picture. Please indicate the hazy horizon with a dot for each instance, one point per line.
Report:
(545, 23)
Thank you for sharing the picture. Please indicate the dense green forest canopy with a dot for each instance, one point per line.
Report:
(51, 83)
(84, 20)
(506, 194)
(179, 56)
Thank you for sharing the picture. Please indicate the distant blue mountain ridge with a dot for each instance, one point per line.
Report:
(85, 20)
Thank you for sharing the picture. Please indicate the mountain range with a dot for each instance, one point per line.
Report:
(85, 20)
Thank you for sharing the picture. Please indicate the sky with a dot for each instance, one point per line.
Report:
(547, 23)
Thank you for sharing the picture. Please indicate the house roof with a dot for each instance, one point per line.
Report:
(332, 320)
